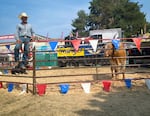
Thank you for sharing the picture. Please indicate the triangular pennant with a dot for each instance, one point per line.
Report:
(128, 83)
(137, 42)
(94, 44)
(64, 88)
(106, 85)
(53, 45)
(8, 47)
(76, 44)
(116, 43)
(86, 87)
(10, 87)
(41, 89)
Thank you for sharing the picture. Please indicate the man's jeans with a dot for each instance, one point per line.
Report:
(18, 46)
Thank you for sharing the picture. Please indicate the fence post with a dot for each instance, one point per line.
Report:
(96, 67)
(34, 72)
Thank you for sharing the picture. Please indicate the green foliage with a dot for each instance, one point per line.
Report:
(80, 23)
(148, 27)
(105, 14)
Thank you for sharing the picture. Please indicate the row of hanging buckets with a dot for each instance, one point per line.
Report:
(86, 86)
(107, 85)
(64, 88)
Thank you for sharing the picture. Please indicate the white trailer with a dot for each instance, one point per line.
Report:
(107, 34)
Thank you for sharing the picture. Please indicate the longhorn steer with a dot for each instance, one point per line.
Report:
(117, 59)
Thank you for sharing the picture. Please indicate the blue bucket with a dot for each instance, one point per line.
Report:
(10, 87)
(64, 88)
(128, 83)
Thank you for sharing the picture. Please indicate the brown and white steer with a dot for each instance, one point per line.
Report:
(117, 59)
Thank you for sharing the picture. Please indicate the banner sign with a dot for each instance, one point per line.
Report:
(63, 52)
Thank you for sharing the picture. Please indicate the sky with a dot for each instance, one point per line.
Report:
(50, 18)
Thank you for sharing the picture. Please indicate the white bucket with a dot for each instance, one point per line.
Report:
(86, 87)
(24, 87)
(147, 81)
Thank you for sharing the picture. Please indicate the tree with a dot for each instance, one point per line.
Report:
(100, 14)
(116, 13)
(147, 27)
(80, 23)
(106, 14)
(130, 19)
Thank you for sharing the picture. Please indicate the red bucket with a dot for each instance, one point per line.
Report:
(41, 89)
(1, 85)
(106, 85)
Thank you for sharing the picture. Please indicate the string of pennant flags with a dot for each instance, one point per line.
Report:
(93, 43)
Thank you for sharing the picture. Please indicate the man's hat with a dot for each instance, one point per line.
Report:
(23, 14)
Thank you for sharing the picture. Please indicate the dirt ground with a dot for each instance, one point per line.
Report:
(119, 101)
